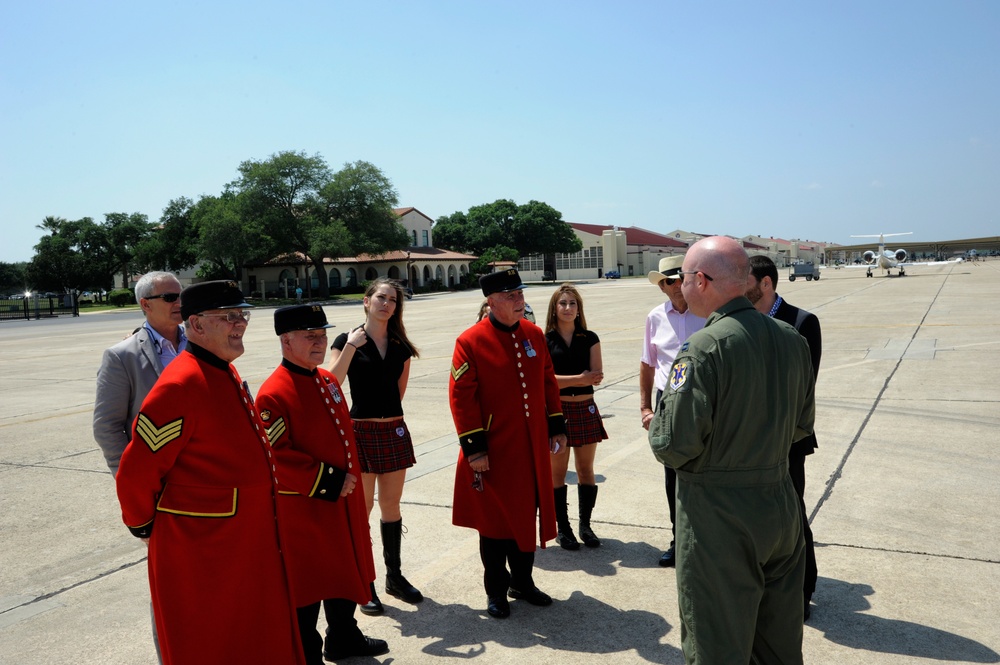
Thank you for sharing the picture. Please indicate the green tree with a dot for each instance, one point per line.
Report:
(173, 243)
(226, 240)
(498, 253)
(126, 233)
(361, 199)
(531, 228)
(74, 256)
(51, 224)
(451, 231)
(538, 228)
(281, 196)
(301, 207)
(12, 277)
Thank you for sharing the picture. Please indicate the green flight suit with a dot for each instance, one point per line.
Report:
(740, 393)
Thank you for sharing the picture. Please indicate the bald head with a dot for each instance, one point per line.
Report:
(720, 268)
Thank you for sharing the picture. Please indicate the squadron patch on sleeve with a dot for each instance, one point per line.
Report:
(157, 437)
(456, 372)
(276, 430)
(678, 376)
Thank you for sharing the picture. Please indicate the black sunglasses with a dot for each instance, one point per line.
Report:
(167, 297)
(695, 272)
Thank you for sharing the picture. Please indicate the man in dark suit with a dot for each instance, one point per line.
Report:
(131, 367)
(761, 292)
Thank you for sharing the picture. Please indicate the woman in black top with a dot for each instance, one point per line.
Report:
(376, 358)
(576, 356)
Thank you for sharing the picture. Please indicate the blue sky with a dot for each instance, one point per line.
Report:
(799, 120)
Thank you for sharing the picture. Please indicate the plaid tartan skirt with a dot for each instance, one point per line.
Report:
(383, 447)
(583, 423)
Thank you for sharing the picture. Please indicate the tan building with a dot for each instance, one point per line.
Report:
(630, 251)
(422, 264)
(786, 252)
(605, 249)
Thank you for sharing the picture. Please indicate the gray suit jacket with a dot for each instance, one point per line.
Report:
(128, 371)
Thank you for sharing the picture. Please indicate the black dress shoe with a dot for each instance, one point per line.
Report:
(373, 607)
(498, 608)
(668, 559)
(535, 596)
(367, 646)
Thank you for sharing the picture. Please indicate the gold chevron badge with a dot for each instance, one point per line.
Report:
(456, 372)
(276, 430)
(157, 437)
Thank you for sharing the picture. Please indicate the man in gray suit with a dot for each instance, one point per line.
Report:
(131, 367)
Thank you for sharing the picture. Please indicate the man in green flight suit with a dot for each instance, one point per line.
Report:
(740, 392)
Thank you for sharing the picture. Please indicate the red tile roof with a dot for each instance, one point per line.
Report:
(633, 235)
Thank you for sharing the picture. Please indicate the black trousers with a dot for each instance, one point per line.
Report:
(497, 555)
(671, 486)
(797, 470)
(342, 627)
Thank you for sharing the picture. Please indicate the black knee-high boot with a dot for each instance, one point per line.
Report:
(395, 584)
(588, 497)
(565, 537)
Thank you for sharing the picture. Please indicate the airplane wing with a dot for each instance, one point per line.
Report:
(931, 263)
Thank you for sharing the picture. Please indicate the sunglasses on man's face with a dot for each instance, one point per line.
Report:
(167, 297)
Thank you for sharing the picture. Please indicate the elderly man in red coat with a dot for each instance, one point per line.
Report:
(197, 483)
(323, 522)
(505, 403)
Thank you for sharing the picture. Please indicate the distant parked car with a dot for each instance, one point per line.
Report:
(86, 296)
(548, 277)
(612, 274)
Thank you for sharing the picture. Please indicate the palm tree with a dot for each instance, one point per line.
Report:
(51, 224)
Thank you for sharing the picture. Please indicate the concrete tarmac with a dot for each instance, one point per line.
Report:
(903, 493)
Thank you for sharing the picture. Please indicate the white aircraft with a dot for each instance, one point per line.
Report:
(886, 261)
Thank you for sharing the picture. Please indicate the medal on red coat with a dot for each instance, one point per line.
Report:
(528, 349)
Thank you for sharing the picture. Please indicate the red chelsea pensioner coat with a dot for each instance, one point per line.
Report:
(505, 400)
(327, 540)
(197, 479)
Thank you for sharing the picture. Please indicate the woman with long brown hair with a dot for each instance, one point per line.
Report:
(375, 357)
(576, 357)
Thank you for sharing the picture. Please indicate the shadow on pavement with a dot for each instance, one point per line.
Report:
(600, 561)
(837, 611)
(458, 631)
